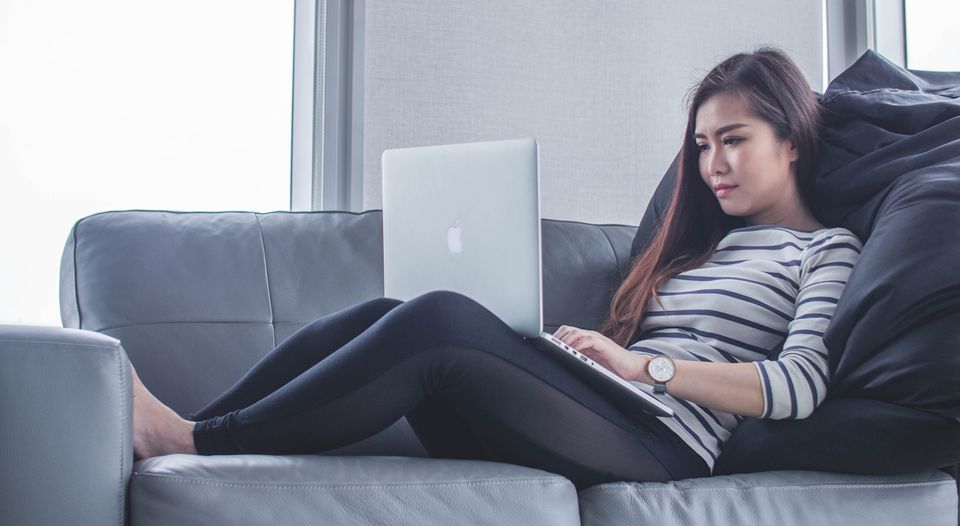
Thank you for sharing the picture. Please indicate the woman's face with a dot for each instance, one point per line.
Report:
(741, 150)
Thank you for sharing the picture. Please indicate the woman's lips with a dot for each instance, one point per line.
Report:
(724, 191)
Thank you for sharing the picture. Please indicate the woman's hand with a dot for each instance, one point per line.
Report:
(628, 365)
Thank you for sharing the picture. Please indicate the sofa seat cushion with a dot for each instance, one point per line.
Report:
(239, 490)
(784, 498)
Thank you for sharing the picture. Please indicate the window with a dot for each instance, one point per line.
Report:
(931, 39)
(111, 105)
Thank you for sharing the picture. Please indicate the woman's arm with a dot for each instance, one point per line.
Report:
(790, 386)
(730, 387)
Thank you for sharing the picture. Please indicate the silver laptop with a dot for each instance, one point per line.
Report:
(466, 218)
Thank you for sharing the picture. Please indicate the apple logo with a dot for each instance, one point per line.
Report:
(454, 243)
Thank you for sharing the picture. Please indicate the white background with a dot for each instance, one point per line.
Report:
(109, 104)
(932, 42)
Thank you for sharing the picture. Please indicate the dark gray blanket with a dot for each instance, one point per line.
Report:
(890, 172)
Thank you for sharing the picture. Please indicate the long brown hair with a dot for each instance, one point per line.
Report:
(773, 89)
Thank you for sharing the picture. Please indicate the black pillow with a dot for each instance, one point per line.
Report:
(844, 436)
(655, 210)
(889, 172)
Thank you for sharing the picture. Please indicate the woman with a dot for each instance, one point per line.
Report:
(738, 267)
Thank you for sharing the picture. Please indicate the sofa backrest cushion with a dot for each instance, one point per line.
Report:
(196, 298)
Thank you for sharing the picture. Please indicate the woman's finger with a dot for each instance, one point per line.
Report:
(583, 337)
(568, 332)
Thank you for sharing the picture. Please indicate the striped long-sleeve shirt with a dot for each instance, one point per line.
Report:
(765, 287)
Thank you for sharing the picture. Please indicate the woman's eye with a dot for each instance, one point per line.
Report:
(732, 140)
(702, 147)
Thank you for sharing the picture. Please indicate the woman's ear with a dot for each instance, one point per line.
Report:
(792, 152)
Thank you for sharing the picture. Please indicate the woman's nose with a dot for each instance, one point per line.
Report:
(716, 162)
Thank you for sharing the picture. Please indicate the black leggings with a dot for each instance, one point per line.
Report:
(469, 385)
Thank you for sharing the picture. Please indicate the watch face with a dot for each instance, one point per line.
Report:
(661, 369)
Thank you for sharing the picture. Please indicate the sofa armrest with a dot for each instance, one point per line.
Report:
(65, 427)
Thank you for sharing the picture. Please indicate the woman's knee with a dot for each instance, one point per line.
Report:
(386, 304)
(444, 304)
(456, 319)
(444, 311)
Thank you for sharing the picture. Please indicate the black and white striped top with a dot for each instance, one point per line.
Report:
(764, 286)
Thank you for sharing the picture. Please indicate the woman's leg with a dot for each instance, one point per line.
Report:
(300, 351)
(472, 388)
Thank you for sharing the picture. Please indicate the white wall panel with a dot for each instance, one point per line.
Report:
(599, 84)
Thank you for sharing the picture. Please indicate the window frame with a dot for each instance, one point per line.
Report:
(326, 168)
(854, 26)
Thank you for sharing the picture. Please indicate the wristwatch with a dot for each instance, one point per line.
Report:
(661, 369)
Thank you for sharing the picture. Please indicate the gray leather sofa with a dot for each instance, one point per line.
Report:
(194, 299)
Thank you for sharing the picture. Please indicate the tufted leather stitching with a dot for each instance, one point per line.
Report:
(76, 286)
(879, 485)
(123, 429)
(54, 342)
(615, 257)
(553, 481)
(186, 322)
(266, 276)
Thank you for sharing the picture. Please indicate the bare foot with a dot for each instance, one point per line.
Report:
(157, 429)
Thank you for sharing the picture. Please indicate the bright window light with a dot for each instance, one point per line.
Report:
(115, 105)
(932, 43)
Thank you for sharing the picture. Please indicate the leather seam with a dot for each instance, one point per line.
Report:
(139, 324)
(266, 276)
(76, 275)
(51, 342)
(123, 429)
(209, 322)
(612, 249)
(586, 223)
(878, 485)
(549, 481)
(214, 212)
